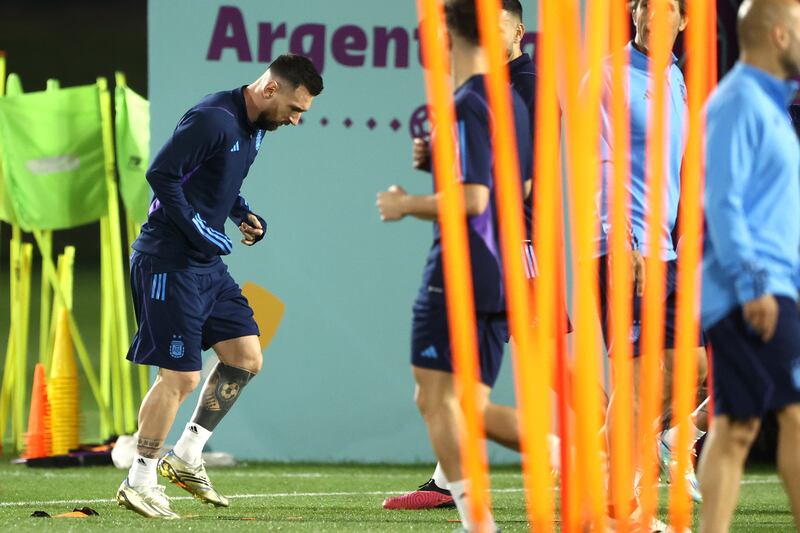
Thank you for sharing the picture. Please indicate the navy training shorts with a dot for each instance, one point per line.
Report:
(180, 313)
(670, 306)
(430, 341)
(751, 377)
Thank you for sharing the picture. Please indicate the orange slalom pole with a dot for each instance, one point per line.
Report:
(549, 300)
(651, 395)
(685, 375)
(456, 259)
(531, 369)
(620, 276)
(711, 83)
(583, 127)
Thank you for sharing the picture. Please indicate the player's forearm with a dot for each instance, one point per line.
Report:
(733, 247)
(239, 211)
(422, 207)
(169, 193)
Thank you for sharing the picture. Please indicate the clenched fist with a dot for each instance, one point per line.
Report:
(390, 203)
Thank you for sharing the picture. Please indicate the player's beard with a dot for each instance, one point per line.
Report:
(790, 59)
(263, 122)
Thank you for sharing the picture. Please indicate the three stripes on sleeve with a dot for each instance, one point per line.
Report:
(217, 238)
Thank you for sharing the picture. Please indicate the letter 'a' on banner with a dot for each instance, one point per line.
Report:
(132, 139)
(52, 157)
(456, 259)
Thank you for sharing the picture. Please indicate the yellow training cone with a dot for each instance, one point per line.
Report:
(63, 391)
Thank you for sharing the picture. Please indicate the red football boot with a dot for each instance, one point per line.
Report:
(427, 496)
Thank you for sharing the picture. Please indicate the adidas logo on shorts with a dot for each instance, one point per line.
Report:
(430, 352)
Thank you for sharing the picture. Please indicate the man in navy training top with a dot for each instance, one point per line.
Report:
(751, 259)
(501, 420)
(184, 297)
(641, 251)
(431, 356)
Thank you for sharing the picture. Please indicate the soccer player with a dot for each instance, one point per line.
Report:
(521, 70)
(430, 345)
(500, 420)
(638, 96)
(185, 299)
(751, 260)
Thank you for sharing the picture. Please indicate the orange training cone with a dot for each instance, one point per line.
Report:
(37, 440)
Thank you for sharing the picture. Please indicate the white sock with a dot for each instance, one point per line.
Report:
(142, 472)
(439, 478)
(670, 436)
(459, 491)
(190, 446)
(554, 451)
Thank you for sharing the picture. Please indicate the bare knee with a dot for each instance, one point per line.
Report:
(241, 352)
(789, 419)
(742, 434)
(702, 367)
(482, 402)
(180, 383)
(431, 399)
(252, 362)
(789, 423)
(427, 400)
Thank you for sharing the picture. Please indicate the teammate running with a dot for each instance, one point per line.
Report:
(500, 420)
(431, 357)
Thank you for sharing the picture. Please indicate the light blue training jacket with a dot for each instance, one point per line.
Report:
(752, 194)
(639, 98)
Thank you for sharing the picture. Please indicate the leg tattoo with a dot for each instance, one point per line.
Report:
(149, 448)
(222, 388)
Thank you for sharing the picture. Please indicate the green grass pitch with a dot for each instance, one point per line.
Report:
(302, 497)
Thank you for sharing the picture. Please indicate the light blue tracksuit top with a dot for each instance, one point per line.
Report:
(752, 195)
(639, 99)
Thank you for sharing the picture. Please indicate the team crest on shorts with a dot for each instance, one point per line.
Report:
(176, 349)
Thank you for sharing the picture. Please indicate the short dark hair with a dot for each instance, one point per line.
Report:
(462, 20)
(514, 7)
(682, 3)
(298, 70)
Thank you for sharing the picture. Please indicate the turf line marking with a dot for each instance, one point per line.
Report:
(764, 481)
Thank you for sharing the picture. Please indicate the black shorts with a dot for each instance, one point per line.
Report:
(430, 341)
(751, 377)
(670, 305)
(183, 312)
